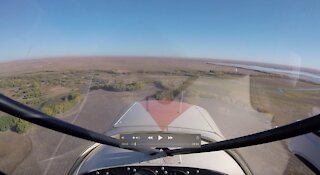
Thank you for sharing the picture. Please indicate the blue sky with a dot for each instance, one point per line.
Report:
(285, 32)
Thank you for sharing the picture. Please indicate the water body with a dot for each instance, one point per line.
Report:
(295, 73)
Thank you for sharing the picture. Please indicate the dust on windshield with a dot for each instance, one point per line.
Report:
(248, 66)
(94, 94)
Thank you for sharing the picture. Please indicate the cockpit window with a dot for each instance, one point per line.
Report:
(220, 70)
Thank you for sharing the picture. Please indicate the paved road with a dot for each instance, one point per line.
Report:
(54, 153)
(232, 113)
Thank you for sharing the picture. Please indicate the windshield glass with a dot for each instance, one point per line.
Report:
(219, 69)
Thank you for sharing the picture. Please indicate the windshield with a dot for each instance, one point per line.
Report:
(218, 69)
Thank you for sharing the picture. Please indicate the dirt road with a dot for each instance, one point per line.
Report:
(229, 105)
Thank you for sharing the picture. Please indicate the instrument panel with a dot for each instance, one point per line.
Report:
(153, 170)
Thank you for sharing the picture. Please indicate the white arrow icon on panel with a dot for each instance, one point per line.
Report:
(159, 137)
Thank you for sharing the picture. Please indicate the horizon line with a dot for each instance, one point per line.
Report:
(225, 59)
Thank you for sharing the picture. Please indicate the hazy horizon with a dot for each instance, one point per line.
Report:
(217, 60)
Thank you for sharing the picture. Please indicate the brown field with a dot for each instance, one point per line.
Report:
(287, 106)
(241, 104)
(14, 149)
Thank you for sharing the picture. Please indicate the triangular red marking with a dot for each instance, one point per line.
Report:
(164, 112)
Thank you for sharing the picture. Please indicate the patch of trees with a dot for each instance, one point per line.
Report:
(27, 90)
(120, 87)
(65, 103)
(171, 93)
(14, 124)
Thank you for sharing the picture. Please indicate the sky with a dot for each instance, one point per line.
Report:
(275, 31)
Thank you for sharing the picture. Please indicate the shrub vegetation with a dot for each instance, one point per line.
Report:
(64, 104)
(120, 87)
(14, 124)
